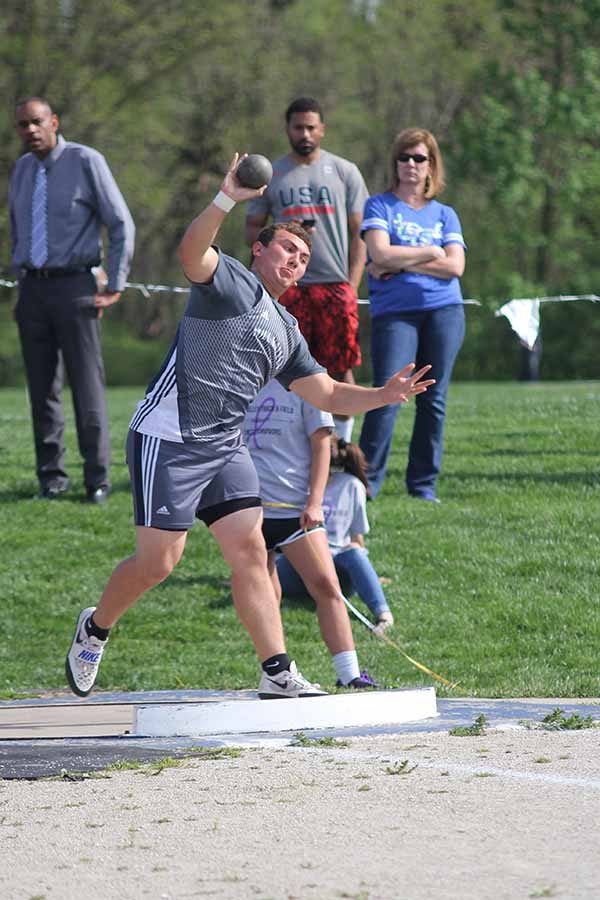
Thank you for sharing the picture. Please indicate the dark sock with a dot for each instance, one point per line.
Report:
(276, 664)
(94, 630)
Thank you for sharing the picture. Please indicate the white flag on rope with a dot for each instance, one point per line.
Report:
(524, 318)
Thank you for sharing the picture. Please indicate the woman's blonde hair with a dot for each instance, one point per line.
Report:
(406, 140)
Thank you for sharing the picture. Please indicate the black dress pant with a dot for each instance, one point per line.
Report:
(59, 329)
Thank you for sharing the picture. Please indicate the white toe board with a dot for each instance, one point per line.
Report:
(253, 716)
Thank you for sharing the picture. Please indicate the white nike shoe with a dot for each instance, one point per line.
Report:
(289, 683)
(83, 658)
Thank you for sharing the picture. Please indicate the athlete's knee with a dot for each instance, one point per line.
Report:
(325, 589)
(152, 569)
(246, 553)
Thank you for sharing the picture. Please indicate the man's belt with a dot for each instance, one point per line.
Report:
(57, 273)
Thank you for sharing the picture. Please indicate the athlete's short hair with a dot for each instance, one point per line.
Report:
(303, 105)
(268, 233)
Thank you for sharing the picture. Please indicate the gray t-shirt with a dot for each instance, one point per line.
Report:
(328, 190)
(277, 432)
(232, 339)
(345, 510)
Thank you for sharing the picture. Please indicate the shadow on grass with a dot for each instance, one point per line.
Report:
(586, 479)
(301, 601)
(221, 585)
(510, 451)
(74, 496)
(186, 580)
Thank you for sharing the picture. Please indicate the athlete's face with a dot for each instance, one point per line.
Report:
(37, 126)
(305, 131)
(282, 263)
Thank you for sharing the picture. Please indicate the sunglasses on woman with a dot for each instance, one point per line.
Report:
(417, 157)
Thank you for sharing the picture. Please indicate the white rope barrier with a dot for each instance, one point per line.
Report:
(523, 313)
(147, 289)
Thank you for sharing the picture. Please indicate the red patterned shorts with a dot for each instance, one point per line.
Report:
(328, 318)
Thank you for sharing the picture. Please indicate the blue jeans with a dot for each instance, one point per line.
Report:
(433, 337)
(356, 575)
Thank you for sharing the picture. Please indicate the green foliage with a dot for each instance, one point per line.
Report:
(303, 740)
(474, 730)
(558, 721)
(529, 136)
(211, 753)
(511, 89)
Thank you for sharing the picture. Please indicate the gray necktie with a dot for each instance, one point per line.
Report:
(39, 220)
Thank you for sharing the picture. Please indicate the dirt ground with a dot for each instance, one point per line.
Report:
(512, 814)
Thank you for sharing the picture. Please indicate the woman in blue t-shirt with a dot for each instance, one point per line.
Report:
(416, 256)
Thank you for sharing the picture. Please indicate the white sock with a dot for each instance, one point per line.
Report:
(346, 666)
(343, 428)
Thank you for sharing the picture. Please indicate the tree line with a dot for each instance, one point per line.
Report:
(168, 90)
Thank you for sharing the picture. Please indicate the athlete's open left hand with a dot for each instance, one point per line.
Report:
(404, 385)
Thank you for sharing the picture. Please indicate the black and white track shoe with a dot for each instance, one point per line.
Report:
(83, 658)
(289, 683)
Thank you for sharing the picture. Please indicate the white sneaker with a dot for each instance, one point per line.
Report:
(289, 683)
(83, 658)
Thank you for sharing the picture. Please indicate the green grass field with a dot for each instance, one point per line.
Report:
(496, 588)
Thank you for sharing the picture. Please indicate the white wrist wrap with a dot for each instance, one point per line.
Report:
(224, 202)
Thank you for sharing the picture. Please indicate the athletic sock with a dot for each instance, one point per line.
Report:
(346, 666)
(276, 664)
(343, 428)
(94, 630)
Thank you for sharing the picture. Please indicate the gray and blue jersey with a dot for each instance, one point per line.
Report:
(233, 338)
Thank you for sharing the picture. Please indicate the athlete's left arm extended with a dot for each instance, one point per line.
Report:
(351, 399)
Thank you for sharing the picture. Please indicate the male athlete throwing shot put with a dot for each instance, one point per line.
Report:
(185, 450)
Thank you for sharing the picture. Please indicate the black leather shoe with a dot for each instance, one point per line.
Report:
(52, 491)
(97, 495)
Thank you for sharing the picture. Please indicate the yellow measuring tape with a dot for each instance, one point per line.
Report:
(383, 637)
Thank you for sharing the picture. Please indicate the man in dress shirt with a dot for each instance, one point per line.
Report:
(61, 194)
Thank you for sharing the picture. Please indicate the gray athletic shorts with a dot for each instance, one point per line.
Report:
(173, 483)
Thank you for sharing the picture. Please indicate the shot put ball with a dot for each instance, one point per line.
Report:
(254, 171)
